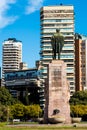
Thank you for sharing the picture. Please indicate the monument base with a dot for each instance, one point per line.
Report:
(56, 119)
(57, 93)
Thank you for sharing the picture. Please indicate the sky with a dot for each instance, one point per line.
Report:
(20, 19)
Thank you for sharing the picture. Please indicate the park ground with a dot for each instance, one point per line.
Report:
(82, 126)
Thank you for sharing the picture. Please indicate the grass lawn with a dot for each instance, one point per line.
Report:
(4, 126)
(50, 127)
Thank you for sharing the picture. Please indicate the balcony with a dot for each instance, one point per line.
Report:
(22, 82)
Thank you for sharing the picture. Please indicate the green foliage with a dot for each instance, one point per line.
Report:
(78, 104)
(3, 113)
(78, 98)
(78, 110)
(35, 111)
(5, 97)
(17, 111)
(25, 112)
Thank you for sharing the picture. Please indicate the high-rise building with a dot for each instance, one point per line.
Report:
(51, 18)
(23, 66)
(80, 62)
(11, 56)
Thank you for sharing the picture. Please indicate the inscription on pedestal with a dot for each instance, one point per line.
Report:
(56, 79)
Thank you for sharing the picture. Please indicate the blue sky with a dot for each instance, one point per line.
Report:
(20, 19)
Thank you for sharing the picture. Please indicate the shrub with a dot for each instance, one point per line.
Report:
(17, 111)
(25, 112)
(78, 110)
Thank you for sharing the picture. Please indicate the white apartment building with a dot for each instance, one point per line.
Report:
(51, 18)
(11, 55)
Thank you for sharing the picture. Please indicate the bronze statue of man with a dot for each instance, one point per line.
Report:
(57, 41)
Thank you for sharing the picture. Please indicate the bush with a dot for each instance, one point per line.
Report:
(78, 110)
(35, 111)
(17, 111)
(25, 112)
(78, 104)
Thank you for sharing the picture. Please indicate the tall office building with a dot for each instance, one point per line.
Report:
(11, 56)
(80, 62)
(51, 18)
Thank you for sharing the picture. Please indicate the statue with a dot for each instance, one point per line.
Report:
(57, 42)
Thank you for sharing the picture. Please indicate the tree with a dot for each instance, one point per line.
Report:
(5, 97)
(35, 110)
(3, 113)
(79, 98)
(78, 103)
(17, 111)
(25, 112)
(32, 111)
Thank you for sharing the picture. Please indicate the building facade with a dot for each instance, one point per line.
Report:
(81, 63)
(23, 66)
(24, 82)
(51, 18)
(11, 56)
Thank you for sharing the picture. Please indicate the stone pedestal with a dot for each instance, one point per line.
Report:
(57, 93)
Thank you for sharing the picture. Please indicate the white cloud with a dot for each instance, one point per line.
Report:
(33, 5)
(4, 6)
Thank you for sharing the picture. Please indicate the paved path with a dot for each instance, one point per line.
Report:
(60, 125)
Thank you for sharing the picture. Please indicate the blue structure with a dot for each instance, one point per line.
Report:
(22, 77)
(18, 82)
